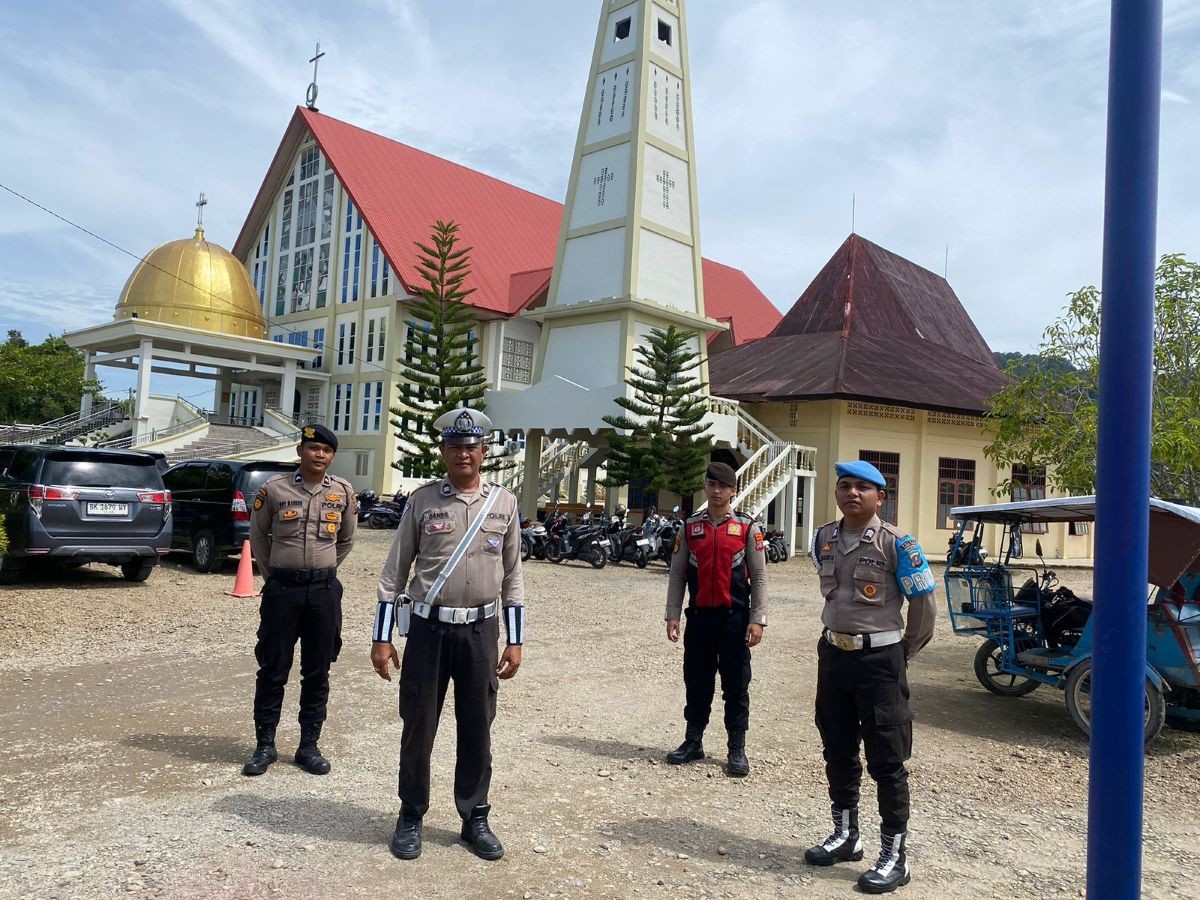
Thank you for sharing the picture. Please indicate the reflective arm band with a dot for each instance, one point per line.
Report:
(514, 623)
(385, 620)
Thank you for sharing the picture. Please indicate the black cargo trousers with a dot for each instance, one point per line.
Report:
(311, 613)
(863, 695)
(714, 640)
(436, 653)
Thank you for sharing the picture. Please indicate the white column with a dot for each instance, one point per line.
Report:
(809, 526)
(141, 403)
(89, 374)
(287, 389)
(531, 476)
(573, 484)
(788, 525)
(591, 487)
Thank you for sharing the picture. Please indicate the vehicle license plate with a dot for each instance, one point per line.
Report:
(605, 543)
(108, 509)
(643, 543)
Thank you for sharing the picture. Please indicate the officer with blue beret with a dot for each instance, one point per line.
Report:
(868, 569)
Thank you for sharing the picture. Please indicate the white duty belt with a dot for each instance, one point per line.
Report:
(456, 615)
(860, 641)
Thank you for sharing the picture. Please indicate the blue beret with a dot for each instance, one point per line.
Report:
(860, 469)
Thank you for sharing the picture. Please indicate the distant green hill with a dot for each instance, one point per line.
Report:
(1028, 362)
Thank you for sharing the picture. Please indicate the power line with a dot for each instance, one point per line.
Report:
(142, 259)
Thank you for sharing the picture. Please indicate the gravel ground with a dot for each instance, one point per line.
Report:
(125, 716)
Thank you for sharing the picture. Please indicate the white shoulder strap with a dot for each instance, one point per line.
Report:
(461, 550)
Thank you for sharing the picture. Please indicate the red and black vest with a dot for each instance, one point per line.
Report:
(717, 574)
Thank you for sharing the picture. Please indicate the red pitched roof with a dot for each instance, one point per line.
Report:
(402, 191)
(871, 326)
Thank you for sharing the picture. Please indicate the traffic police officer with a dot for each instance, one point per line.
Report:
(301, 528)
(720, 558)
(868, 568)
(454, 635)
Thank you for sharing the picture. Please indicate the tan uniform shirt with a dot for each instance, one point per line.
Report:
(862, 586)
(298, 526)
(432, 525)
(752, 554)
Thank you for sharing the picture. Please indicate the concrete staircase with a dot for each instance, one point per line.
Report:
(222, 441)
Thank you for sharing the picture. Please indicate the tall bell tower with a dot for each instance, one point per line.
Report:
(628, 256)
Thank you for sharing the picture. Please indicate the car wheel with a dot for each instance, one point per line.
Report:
(11, 570)
(204, 551)
(138, 569)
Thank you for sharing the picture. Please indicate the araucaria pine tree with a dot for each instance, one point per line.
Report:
(440, 365)
(667, 446)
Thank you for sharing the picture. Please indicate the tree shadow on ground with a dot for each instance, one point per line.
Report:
(324, 819)
(700, 840)
(195, 747)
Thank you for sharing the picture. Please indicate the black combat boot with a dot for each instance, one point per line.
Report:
(844, 845)
(406, 842)
(890, 870)
(737, 765)
(308, 755)
(477, 835)
(691, 749)
(264, 754)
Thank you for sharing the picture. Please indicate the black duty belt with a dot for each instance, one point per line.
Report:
(303, 576)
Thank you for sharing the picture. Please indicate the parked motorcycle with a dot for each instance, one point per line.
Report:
(777, 550)
(387, 513)
(366, 501)
(533, 540)
(586, 542)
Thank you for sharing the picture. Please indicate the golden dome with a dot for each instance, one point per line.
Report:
(194, 283)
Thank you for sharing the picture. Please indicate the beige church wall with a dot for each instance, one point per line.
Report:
(603, 193)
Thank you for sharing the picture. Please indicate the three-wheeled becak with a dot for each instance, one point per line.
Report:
(1039, 632)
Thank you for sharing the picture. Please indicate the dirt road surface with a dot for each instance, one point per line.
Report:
(125, 718)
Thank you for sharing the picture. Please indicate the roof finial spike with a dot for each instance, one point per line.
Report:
(852, 211)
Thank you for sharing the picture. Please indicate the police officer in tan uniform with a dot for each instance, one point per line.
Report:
(720, 561)
(454, 635)
(868, 568)
(301, 528)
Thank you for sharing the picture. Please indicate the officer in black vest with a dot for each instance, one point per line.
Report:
(720, 559)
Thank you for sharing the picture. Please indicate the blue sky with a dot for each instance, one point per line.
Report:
(974, 124)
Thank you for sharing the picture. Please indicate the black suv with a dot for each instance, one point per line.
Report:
(76, 505)
(210, 498)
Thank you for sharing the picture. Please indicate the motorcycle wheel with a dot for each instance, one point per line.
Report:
(554, 551)
(614, 553)
(526, 551)
(772, 554)
(379, 521)
(641, 560)
(1079, 702)
(987, 670)
(597, 556)
(783, 553)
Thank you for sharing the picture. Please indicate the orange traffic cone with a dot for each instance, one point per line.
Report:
(243, 585)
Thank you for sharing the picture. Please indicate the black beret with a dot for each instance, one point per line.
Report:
(719, 471)
(318, 434)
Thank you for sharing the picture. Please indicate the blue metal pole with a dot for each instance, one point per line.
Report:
(1123, 466)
